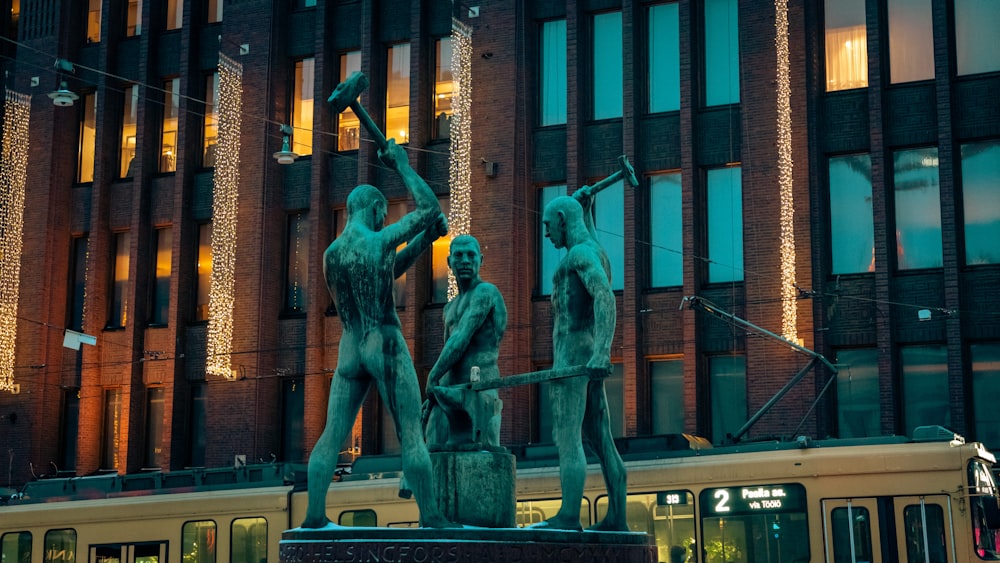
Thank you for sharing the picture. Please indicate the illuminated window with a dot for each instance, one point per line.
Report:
(925, 387)
(918, 209)
(164, 239)
(155, 401)
(666, 231)
(911, 40)
(126, 147)
(858, 411)
(666, 382)
(985, 387)
(175, 14)
(203, 279)
(60, 546)
(439, 263)
(168, 138)
(846, 45)
(609, 221)
(214, 8)
(198, 542)
(397, 94)
(88, 138)
(249, 540)
(292, 419)
(348, 127)
(78, 290)
(133, 18)
(297, 263)
(548, 255)
(667, 516)
(444, 89)
(722, 53)
(211, 135)
(93, 21)
(977, 34)
(664, 58)
(725, 225)
(852, 220)
(112, 430)
(302, 107)
(981, 199)
(119, 281)
(607, 57)
(728, 389)
(552, 79)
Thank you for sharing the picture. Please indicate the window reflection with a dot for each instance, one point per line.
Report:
(126, 148)
(133, 18)
(665, 231)
(609, 220)
(977, 33)
(203, 280)
(722, 52)
(548, 255)
(981, 201)
(210, 139)
(728, 389)
(161, 285)
(725, 224)
(120, 281)
(911, 40)
(666, 378)
(607, 57)
(168, 137)
(985, 390)
(302, 107)
(552, 75)
(852, 221)
(175, 13)
(925, 387)
(664, 58)
(348, 128)
(88, 139)
(858, 411)
(445, 88)
(439, 262)
(846, 45)
(397, 94)
(918, 209)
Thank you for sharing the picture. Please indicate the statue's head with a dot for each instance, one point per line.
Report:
(465, 257)
(367, 204)
(562, 215)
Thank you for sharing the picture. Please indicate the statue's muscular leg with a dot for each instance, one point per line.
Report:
(597, 428)
(567, 398)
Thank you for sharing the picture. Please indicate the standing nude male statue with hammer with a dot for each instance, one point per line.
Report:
(360, 266)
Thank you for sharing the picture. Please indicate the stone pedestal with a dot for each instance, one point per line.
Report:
(335, 544)
(476, 488)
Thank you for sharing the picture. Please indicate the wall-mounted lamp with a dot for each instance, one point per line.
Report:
(285, 155)
(63, 96)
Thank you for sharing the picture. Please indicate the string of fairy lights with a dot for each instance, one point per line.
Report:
(459, 172)
(13, 172)
(789, 292)
(225, 195)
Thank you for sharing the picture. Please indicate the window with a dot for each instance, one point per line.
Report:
(164, 240)
(666, 231)
(175, 14)
(725, 225)
(530, 512)
(93, 21)
(118, 316)
(609, 206)
(78, 290)
(445, 87)
(983, 504)
(981, 199)
(735, 528)
(88, 139)
(210, 138)
(348, 124)
(199, 407)
(305, 3)
(852, 220)
(112, 431)
(667, 516)
(925, 387)
(69, 425)
(548, 255)
(977, 34)
(852, 533)
(365, 517)
(722, 52)
(664, 58)
(552, 82)
(302, 107)
(911, 41)
(133, 18)
(858, 411)
(728, 388)
(214, 8)
(168, 138)
(666, 383)
(249, 540)
(985, 389)
(397, 94)
(439, 262)
(203, 280)
(155, 413)
(297, 263)
(198, 542)
(614, 391)
(846, 45)
(60, 546)
(126, 146)
(918, 209)
(925, 532)
(607, 57)
(15, 547)
(292, 419)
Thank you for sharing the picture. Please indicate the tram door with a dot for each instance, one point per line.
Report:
(915, 529)
(129, 553)
(924, 530)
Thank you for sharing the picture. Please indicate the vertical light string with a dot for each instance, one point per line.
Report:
(13, 170)
(221, 295)
(460, 173)
(789, 314)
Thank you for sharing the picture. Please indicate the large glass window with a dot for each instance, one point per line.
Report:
(852, 219)
(118, 315)
(249, 540)
(111, 431)
(985, 390)
(977, 34)
(445, 87)
(552, 76)
(846, 45)
(668, 518)
(198, 542)
(918, 209)
(302, 106)
(548, 255)
(666, 231)
(297, 263)
(210, 138)
(78, 290)
(728, 388)
(722, 52)
(666, 382)
(155, 413)
(133, 18)
(126, 147)
(607, 57)
(88, 139)
(725, 224)
(168, 137)
(981, 199)
(15, 547)
(93, 21)
(161, 284)
(664, 58)
(175, 14)
(214, 8)
(60, 546)
(911, 40)
(203, 279)
(609, 222)
(925, 387)
(347, 123)
(397, 94)
(858, 411)
(292, 419)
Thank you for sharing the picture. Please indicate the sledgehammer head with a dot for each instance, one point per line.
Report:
(628, 173)
(348, 91)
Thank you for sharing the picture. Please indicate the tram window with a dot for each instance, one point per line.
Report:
(198, 541)
(364, 517)
(851, 523)
(985, 511)
(15, 547)
(668, 516)
(759, 523)
(534, 511)
(925, 541)
(249, 541)
(60, 546)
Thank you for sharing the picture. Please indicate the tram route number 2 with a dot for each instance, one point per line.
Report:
(753, 499)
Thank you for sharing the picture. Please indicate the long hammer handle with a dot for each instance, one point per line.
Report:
(369, 124)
